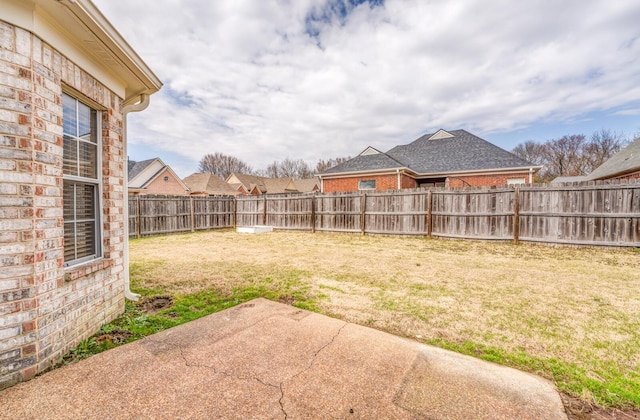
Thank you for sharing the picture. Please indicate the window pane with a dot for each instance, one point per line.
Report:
(69, 119)
(367, 185)
(85, 202)
(85, 239)
(88, 160)
(86, 123)
(68, 200)
(69, 243)
(70, 156)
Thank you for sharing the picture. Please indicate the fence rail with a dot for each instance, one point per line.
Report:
(580, 214)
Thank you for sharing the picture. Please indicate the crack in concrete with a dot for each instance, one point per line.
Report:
(279, 386)
(313, 361)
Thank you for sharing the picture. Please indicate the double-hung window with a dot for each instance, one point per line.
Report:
(81, 181)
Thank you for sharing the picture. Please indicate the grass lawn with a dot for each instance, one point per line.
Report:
(569, 314)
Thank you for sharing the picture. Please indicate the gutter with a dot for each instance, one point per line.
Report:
(136, 107)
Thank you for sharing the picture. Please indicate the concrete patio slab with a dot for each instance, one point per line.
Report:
(269, 360)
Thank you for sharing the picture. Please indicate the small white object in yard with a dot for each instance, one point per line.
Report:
(254, 229)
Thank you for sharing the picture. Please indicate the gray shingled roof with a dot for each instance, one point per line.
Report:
(561, 179)
(366, 163)
(626, 160)
(134, 168)
(462, 152)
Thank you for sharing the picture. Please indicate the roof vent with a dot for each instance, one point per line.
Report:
(441, 134)
(370, 151)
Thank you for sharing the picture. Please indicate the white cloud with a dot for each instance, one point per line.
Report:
(244, 78)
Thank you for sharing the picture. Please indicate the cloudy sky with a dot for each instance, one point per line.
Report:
(267, 79)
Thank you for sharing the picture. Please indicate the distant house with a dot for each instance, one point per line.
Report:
(446, 158)
(249, 184)
(623, 165)
(204, 184)
(307, 185)
(68, 80)
(153, 176)
(279, 185)
(256, 185)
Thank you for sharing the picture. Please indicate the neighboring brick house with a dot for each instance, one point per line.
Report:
(623, 165)
(152, 176)
(67, 81)
(202, 184)
(446, 158)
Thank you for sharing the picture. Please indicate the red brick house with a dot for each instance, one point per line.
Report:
(67, 82)
(153, 176)
(446, 158)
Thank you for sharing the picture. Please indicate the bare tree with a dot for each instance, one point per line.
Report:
(571, 155)
(602, 145)
(323, 165)
(293, 168)
(530, 151)
(223, 165)
(564, 156)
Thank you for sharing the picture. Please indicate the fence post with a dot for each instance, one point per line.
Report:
(138, 217)
(193, 218)
(363, 213)
(429, 214)
(264, 211)
(516, 216)
(313, 213)
(235, 212)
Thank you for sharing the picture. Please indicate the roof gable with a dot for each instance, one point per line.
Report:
(369, 151)
(441, 134)
(141, 174)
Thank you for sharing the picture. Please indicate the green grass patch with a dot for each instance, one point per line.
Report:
(135, 323)
(605, 385)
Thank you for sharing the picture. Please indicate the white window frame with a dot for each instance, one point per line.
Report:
(96, 182)
(361, 188)
(516, 181)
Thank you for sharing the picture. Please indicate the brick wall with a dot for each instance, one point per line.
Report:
(159, 186)
(486, 180)
(390, 182)
(383, 182)
(46, 310)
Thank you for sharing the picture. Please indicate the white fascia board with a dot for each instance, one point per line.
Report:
(352, 174)
(481, 172)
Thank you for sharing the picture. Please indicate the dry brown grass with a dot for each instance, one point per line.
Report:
(580, 306)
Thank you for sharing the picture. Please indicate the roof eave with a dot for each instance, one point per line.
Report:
(364, 172)
(482, 171)
(138, 77)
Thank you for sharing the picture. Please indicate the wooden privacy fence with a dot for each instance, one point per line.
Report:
(583, 214)
(158, 214)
